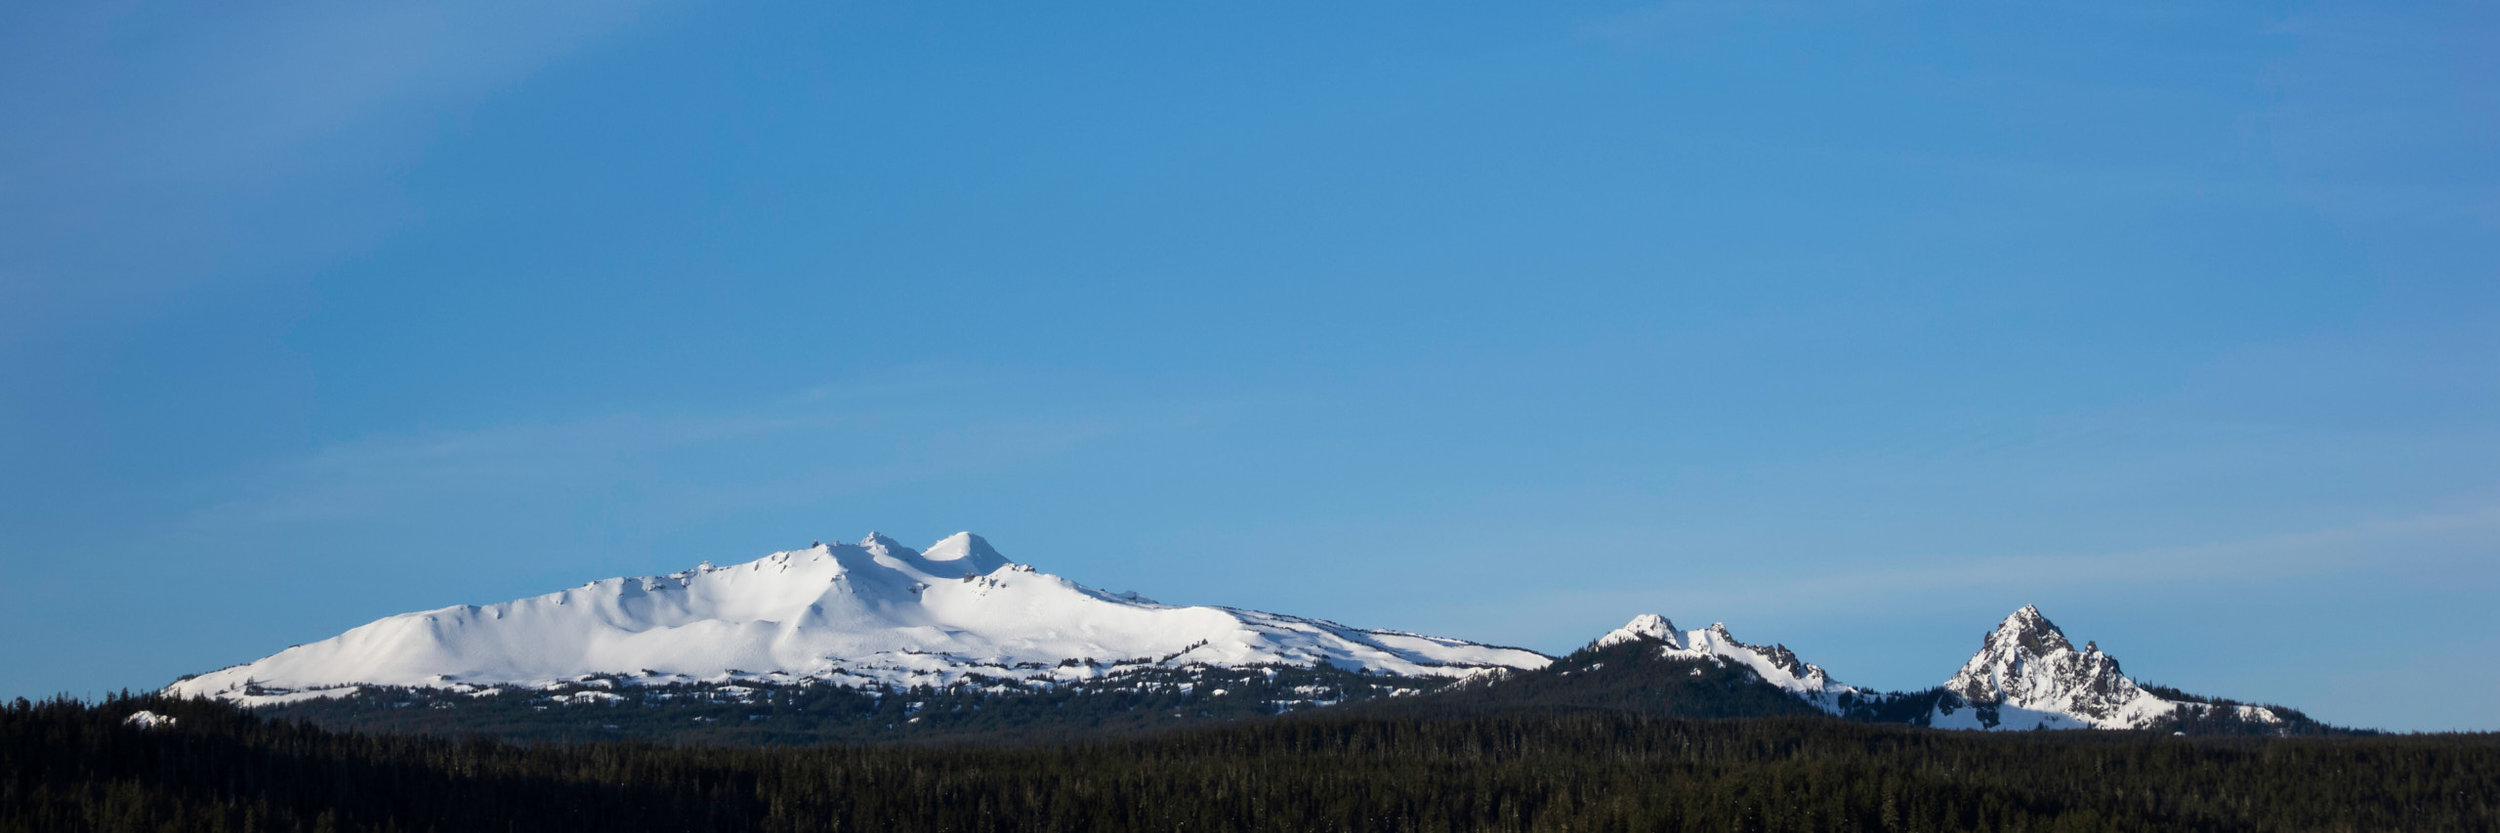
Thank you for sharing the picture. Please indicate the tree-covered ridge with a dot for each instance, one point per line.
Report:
(69, 766)
(1628, 677)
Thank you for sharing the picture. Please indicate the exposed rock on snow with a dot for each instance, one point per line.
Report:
(2028, 675)
(1775, 664)
(2025, 676)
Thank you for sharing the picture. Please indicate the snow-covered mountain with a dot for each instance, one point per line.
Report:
(882, 617)
(2028, 675)
(872, 614)
(1775, 664)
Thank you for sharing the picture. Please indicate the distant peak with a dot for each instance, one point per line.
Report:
(2027, 628)
(965, 541)
(964, 551)
(2027, 618)
(2028, 662)
(1645, 627)
(1650, 623)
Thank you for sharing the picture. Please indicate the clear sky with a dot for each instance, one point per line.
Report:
(1854, 325)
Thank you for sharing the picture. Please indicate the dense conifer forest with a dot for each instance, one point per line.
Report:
(72, 766)
(751, 713)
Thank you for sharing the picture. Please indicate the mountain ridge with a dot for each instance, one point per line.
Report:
(960, 625)
(2026, 675)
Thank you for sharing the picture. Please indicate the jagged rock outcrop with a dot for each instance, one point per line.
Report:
(2027, 674)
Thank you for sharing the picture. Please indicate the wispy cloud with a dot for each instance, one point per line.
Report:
(702, 464)
(2458, 545)
(360, 477)
(2421, 540)
(143, 139)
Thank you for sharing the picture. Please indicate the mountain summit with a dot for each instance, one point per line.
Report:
(2027, 674)
(1774, 664)
(876, 614)
(970, 554)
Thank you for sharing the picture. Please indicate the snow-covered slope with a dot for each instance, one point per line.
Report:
(875, 613)
(2027, 675)
(1775, 664)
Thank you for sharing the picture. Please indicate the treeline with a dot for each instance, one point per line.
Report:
(1130, 701)
(72, 766)
(1135, 699)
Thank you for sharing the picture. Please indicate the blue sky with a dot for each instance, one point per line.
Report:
(1853, 325)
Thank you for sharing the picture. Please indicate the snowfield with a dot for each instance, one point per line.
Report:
(875, 613)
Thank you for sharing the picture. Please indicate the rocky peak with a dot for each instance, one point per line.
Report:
(2028, 663)
(2028, 630)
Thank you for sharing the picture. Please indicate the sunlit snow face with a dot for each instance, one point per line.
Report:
(875, 613)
